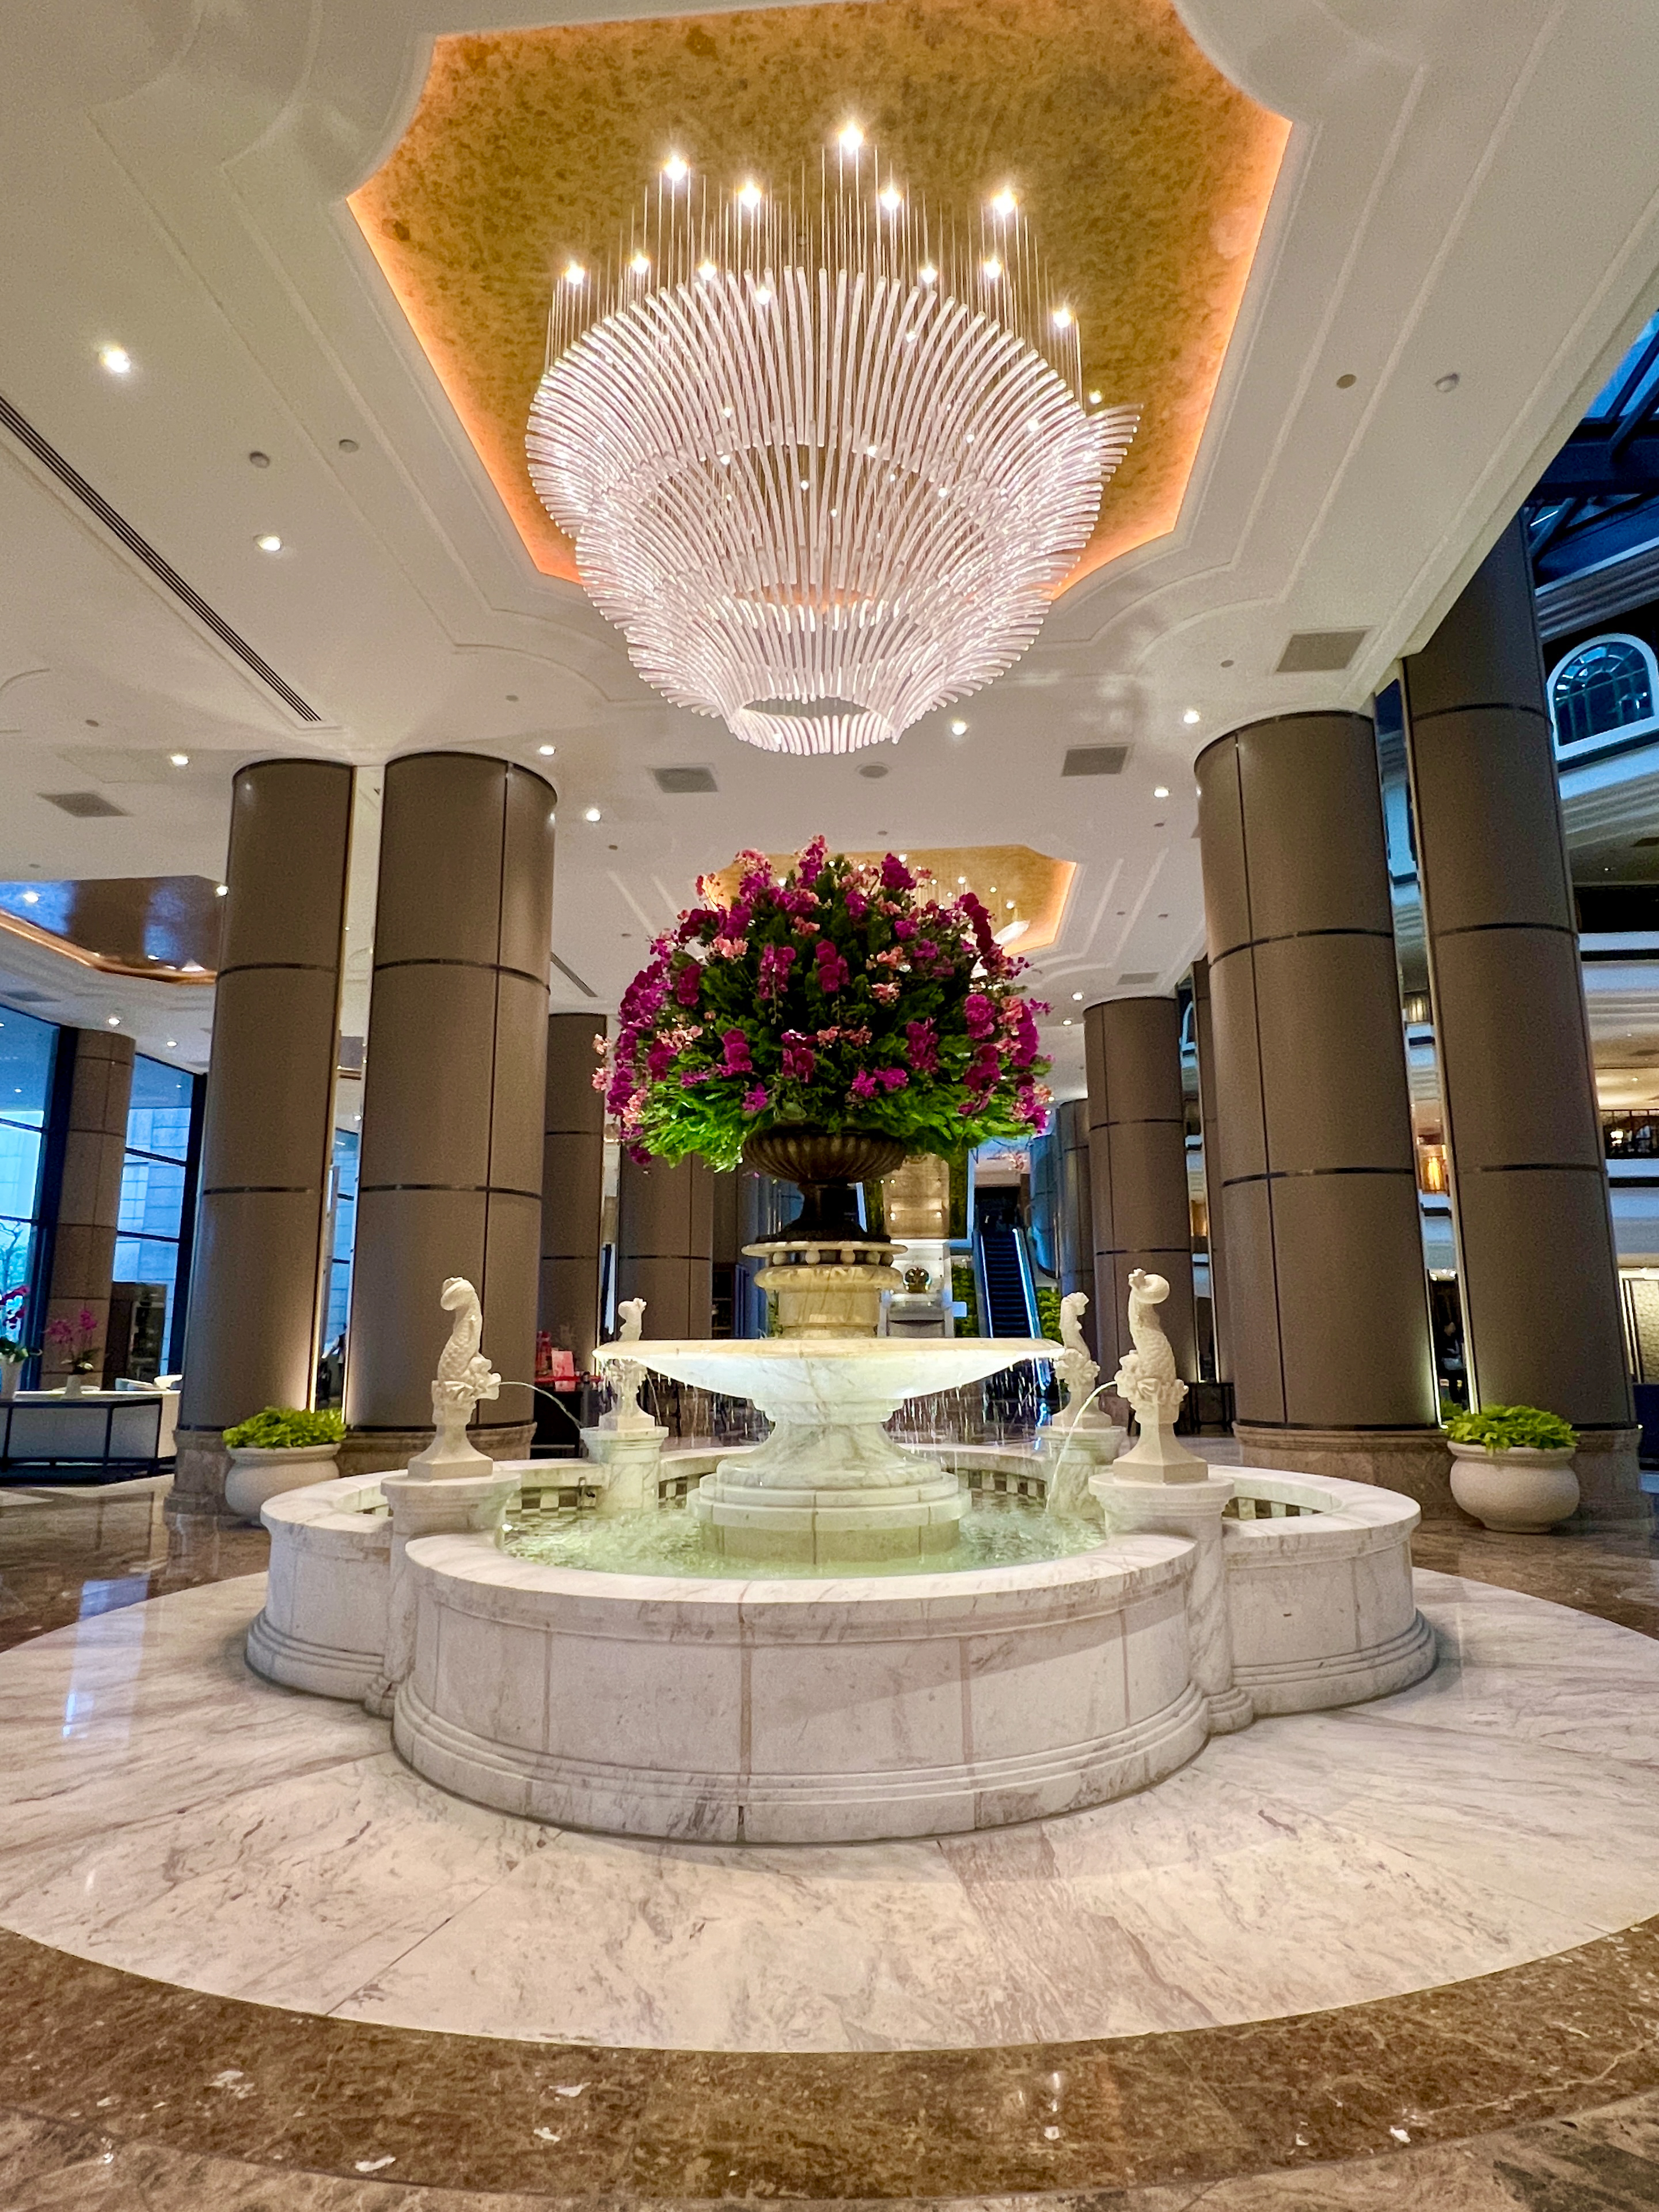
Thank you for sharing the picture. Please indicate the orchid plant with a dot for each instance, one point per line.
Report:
(75, 1341)
(840, 995)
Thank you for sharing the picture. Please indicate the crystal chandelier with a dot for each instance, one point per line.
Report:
(823, 457)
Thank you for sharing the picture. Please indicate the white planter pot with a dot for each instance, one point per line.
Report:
(1518, 1490)
(11, 1372)
(255, 1475)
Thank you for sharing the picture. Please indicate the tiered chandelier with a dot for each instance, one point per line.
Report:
(824, 459)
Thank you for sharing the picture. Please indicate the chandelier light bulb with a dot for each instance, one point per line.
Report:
(641, 264)
(1004, 205)
(116, 359)
(574, 275)
(1063, 319)
(669, 433)
(1094, 399)
(675, 170)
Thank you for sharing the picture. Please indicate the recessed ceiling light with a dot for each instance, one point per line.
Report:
(1346, 383)
(347, 445)
(992, 268)
(259, 460)
(958, 729)
(116, 359)
(590, 814)
(851, 138)
(706, 269)
(763, 296)
(750, 196)
(1160, 791)
(891, 199)
(1063, 319)
(180, 760)
(1067, 1023)
(31, 898)
(1094, 399)
(574, 274)
(546, 752)
(1077, 996)
(1004, 204)
(270, 543)
(641, 264)
(114, 1021)
(1191, 716)
(927, 273)
(222, 891)
(173, 1044)
(676, 170)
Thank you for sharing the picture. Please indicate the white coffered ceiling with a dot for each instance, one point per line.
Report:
(1469, 191)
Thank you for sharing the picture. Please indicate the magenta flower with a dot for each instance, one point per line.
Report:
(799, 1058)
(688, 984)
(922, 1041)
(891, 1079)
(755, 1099)
(980, 1015)
(863, 1086)
(895, 876)
(833, 971)
(809, 867)
(738, 1062)
(776, 961)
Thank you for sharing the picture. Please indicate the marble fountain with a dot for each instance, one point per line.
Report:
(833, 1639)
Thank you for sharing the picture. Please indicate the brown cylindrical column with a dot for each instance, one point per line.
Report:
(1537, 1262)
(664, 1244)
(89, 1204)
(1210, 1116)
(1074, 1220)
(573, 1187)
(267, 1135)
(1137, 1170)
(1317, 1187)
(453, 1096)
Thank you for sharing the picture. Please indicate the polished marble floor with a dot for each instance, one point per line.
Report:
(1103, 2036)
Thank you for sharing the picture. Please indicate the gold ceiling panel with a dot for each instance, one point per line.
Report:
(1016, 884)
(1144, 173)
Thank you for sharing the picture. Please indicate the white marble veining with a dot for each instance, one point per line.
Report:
(164, 1810)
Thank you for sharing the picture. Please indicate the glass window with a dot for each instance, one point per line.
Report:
(344, 1228)
(153, 1196)
(1605, 685)
(28, 1053)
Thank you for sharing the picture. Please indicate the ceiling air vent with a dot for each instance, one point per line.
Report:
(685, 779)
(1135, 977)
(1096, 760)
(83, 805)
(1319, 652)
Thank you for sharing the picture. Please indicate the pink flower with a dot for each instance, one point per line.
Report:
(601, 1081)
(857, 905)
(755, 1100)
(829, 1036)
(803, 928)
(891, 1079)
(799, 1058)
(688, 984)
(922, 1043)
(810, 865)
(738, 1061)
(776, 961)
(904, 928)
(833, 971)
(895, 876)
(728, 948)
(862, 1086)
(885, 992)
(857, 1036)
(981, 1014)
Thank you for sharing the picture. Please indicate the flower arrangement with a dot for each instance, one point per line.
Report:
(75, 1341)
(840, 996)
(1502, 1428)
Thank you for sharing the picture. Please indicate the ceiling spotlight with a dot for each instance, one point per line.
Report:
(222, 891)
(992, 267)
(173, 1044)
(958, 729)
(1191, 716)
(675, 170)
(926, 274)
(762, 295)
(180, 760)
(706, 269)
(1004, 205)
(1063, 319)
(590, 814)
(116, 359)
(270, 543)
(1094, 399)
(641, 264)
(574, 274)
(750, 195)
(1160, 791)
(31, 898)
(546, 752)
(114, 1020)
(1067, 1023)
(891, 199)
(1077, 997)
(850, 139)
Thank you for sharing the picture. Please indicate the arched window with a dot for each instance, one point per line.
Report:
(1605, 685)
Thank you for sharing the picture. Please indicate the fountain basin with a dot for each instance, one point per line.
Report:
(829, 1485)
(799, 1711)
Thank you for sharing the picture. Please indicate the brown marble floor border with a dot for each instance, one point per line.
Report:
(143, 2059)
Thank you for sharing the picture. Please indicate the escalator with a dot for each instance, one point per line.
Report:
(1007, 1302)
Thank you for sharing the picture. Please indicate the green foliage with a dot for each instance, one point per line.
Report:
(842, 996)
(14, 1351)
(1502, 1428)
(1048, 1305)
(965, 1291)
(280, 1428)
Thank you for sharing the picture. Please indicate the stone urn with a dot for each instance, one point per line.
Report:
(1521, 1491)
(255, 1475)
(828, 1272)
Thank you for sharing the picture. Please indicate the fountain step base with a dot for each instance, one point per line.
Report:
(845, 1526)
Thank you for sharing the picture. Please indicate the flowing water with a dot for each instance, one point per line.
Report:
(1009, 1532)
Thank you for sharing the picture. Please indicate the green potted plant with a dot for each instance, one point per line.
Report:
(283, 1448)
(1512, 1467)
